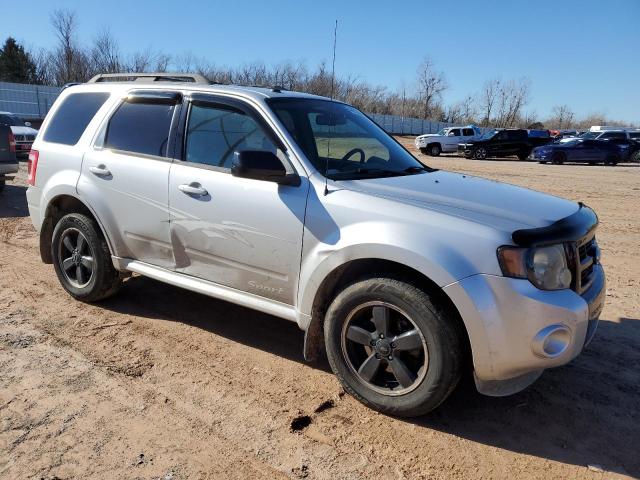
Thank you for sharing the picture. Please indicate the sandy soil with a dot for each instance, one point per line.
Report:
(163, 383)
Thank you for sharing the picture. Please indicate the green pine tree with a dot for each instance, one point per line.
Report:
(16, 65)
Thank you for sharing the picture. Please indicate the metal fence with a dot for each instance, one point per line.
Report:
(27, 101)
(406, 125)
(34, 101)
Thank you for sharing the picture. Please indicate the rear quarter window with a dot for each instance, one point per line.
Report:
(72, 117)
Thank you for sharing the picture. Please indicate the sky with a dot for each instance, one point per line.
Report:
(583, 53)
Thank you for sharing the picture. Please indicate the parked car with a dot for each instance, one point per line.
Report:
(8, 161)
(580, 151)
(446, 140)
(628, 141)
(502, 143)
(22, 131)
(303, 208)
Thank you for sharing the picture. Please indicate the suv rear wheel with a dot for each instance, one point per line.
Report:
(2, 183)
(82, 260)
(392, 347)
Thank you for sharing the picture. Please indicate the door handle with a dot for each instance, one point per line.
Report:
(193, 188)
(100, 171)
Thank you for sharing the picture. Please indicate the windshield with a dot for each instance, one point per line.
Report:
(588, 135)
(488, 135)
(342, 138)
(442, 132)
(12, 120)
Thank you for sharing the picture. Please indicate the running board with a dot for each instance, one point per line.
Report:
(210, 289)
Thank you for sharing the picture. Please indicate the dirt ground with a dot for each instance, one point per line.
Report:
(161, 383)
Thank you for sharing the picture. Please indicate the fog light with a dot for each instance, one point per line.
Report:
(551, 341)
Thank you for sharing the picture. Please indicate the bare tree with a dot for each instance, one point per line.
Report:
(488, 98)
(105, 54)
(70, 62)
(431, 84)
(561, 117)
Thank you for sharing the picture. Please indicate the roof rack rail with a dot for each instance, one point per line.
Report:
(149, 77)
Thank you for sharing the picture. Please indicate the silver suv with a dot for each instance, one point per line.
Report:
(303, 208)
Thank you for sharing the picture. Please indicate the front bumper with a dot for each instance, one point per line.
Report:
(508, 319)
(465, 150)
(8, 168)
(421, 143)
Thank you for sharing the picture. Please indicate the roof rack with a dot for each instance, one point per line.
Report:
(149, 77)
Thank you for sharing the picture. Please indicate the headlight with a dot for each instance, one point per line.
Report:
(545, 267)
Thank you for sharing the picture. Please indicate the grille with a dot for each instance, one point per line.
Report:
(582, 255)
(25, 138)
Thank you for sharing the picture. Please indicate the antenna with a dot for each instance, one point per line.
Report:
(333, 82)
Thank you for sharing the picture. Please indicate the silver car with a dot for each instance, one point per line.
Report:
(303, 208)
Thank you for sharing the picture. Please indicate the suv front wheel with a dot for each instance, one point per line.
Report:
(392, 347)
(82, 259)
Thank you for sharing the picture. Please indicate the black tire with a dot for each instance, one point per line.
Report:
(480, 153)
(612, 160)
(2, 184)
(522, 156)
(635, 156)
(434, 150)
(103, 279)
(558, 158)
(442, 347)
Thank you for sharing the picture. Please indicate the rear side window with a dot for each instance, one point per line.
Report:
(72, 117)
(140, 128)
(468, 132)
(614, 135)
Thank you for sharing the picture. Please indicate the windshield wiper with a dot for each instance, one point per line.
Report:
(365, 173)
(377, 172)
(416, 169)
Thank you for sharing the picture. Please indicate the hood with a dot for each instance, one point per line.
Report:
(499, 205)
(23, 130)
(427, 135)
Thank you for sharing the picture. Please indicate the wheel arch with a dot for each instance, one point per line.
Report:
(349, 272)
(57, 207)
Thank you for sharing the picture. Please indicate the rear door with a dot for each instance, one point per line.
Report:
(237, 232)
(126, 174)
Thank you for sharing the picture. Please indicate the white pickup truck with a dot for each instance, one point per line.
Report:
(446, 140)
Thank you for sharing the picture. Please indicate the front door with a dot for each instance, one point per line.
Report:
(238, 232)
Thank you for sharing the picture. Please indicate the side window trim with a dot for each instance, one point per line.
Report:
(158, 97)
(216, 101)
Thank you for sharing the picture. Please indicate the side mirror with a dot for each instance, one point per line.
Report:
(27, 124)
(262, 165)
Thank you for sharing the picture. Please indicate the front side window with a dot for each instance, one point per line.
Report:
(215, 133)
(140, 128)
(341, 142)
(72, 117)
(454, 133)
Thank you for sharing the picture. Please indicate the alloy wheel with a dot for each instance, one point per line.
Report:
(481, 153)
(384, 348)
(75, 258)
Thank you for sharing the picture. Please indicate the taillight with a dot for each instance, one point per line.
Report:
(12, 142)
(32, 166)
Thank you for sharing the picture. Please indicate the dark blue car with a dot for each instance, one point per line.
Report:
(578, 150)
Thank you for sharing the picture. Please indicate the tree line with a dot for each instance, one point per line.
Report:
(499, 103)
